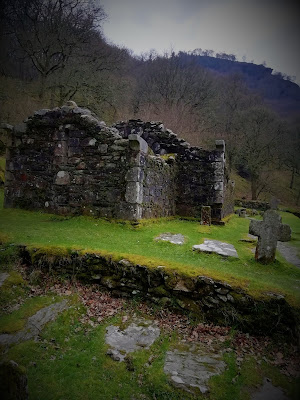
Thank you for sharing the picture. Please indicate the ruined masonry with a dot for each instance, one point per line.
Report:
(67, 161)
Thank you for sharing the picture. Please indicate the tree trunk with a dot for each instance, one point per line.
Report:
(298, 198)
(292, 178)
(42, 87)
(52, 99)
(254, 185)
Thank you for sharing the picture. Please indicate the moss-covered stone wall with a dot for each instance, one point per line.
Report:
(214, 300)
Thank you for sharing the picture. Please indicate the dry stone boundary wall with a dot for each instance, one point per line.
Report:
(215, 300)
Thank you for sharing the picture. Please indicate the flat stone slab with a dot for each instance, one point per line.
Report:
(34, 324)
(138, 335)
(3, 277)
(269, 392)
(193, 368)
(172, 238)
(215, 246)
(290, 253)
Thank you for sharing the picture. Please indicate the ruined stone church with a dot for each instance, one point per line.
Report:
(66, 161)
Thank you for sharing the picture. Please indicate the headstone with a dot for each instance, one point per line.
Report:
(274, 203)
(269, 231)
(13, 381)
(205, 215)
(242, 212)
(215, 246)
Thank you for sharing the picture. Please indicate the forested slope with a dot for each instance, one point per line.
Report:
(54, 51)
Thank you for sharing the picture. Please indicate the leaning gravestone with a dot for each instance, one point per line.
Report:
(269, 231)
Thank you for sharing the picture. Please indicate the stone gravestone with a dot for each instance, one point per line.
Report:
(205, 215)
(274, 203)
(269, 231)
(243, 212)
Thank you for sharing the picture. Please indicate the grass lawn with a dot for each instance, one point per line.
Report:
(69, 361)
(137, 243)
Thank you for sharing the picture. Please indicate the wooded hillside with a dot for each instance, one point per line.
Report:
(54, 51)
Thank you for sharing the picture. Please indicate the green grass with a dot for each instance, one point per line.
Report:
(138, 244)
(70, 362)
(12, 289)
(16, 321)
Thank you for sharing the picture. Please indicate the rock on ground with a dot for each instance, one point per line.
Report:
(192, 368)
(215, 246)
(34, 324)
(3, 277)
(269, 392)
(138, 335)
(172, 238)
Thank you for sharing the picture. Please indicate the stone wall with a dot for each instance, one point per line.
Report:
(69, 162)
(200, 174)
(252, 204)
(159, 188)
(65, 161)
(215, 300)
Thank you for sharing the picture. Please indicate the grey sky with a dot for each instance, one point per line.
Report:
(262, 30)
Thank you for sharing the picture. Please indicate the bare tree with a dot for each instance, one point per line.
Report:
(49, 32)
(262, 131)
(234, 100)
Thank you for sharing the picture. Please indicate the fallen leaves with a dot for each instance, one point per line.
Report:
(100, 304)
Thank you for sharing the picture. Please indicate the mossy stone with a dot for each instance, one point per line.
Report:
(13, 381)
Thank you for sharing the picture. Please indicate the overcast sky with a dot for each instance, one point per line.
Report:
(261, 30)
